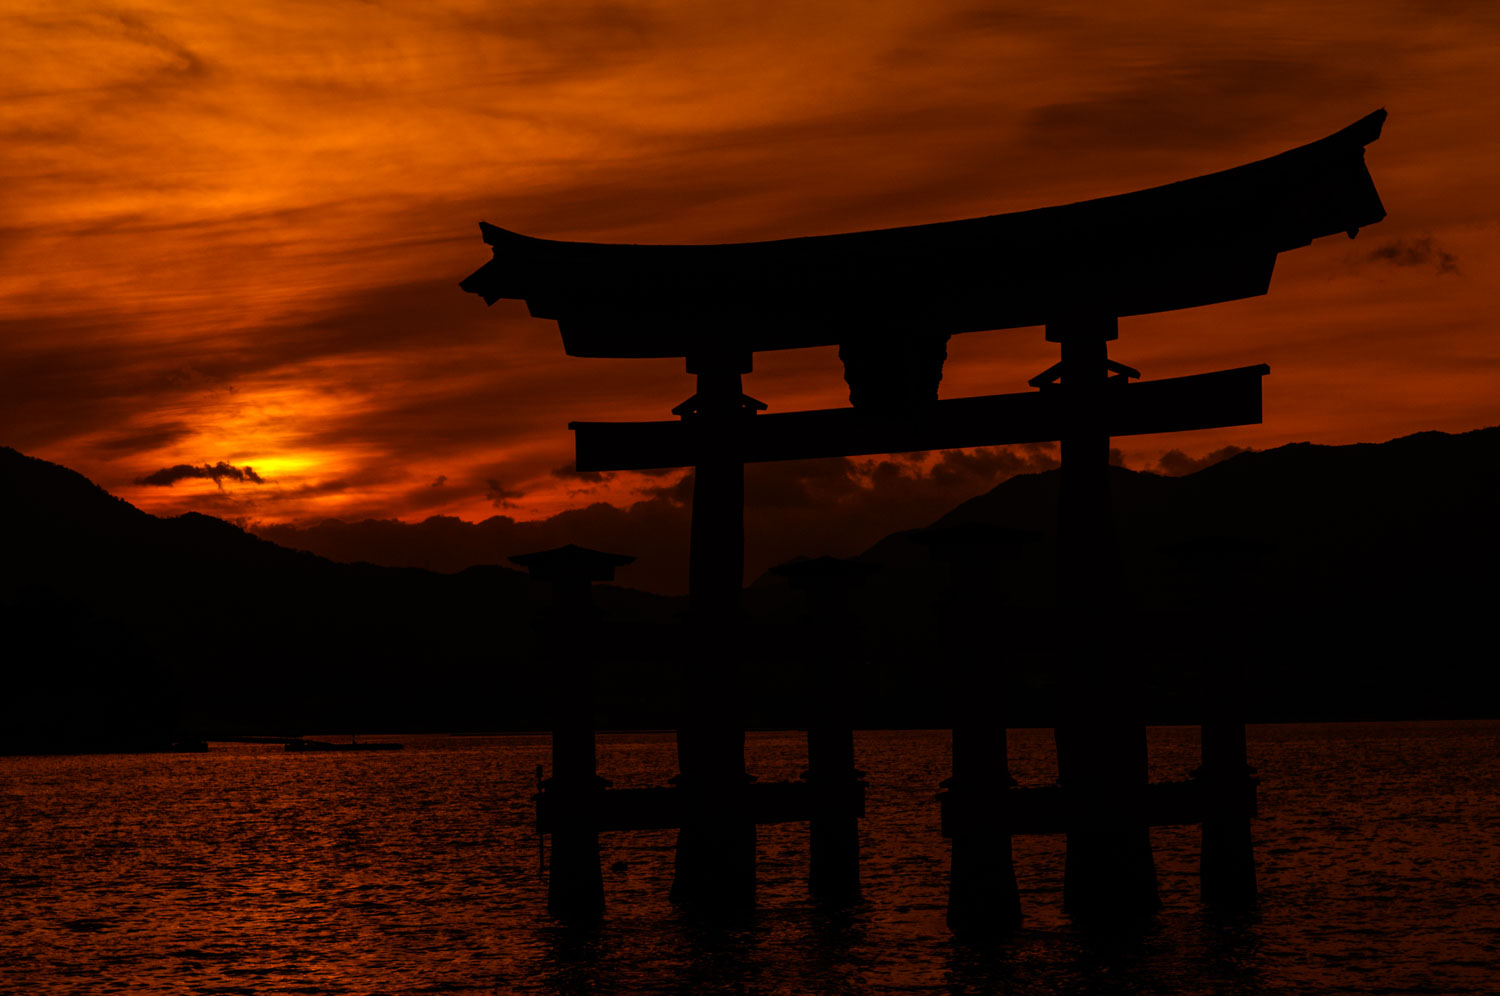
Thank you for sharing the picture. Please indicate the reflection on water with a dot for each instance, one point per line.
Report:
(249, 870)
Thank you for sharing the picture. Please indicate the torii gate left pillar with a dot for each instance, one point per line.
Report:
(716, 844)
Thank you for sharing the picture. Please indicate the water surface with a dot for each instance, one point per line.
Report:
(249, 870)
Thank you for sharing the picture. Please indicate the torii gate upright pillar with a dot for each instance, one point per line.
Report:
(568, 642)
(983, 900)
(716, 844)
(831, 647)
(1101, 734)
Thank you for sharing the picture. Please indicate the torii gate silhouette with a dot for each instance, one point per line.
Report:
(890, 299)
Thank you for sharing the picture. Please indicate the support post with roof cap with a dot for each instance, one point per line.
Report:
(831, 650)
(982, 894)
(567, 631)
(1225, 777)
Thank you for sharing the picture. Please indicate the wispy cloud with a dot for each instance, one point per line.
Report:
(218, 473)
(1175, 463)
(238, 231)
(499, 495)
(154, 438)
(805, 507)
(1415, 252)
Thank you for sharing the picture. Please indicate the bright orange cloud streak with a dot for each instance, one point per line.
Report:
(235, 234)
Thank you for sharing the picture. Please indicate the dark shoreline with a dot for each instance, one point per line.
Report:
(204, 745)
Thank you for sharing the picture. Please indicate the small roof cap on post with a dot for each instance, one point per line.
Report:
(571, 563)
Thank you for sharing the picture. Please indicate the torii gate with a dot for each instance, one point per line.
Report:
(890, 299)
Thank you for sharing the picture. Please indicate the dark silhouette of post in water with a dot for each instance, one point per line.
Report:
(1100, 732)
(716, 843)
(567, 630)
(1226, 777)
(982, 895)
(832, 651)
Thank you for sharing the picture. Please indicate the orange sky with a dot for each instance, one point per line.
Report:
(234, 234)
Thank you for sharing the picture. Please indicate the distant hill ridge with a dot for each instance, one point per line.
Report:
(1422, 487)
(131, 629)
(1375, 596)
(66, 510)
(1371, 593)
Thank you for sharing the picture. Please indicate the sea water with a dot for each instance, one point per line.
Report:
(251, 870)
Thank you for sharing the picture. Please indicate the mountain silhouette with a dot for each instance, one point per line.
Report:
(128, 631)
(1359, 579)
(1353, 581)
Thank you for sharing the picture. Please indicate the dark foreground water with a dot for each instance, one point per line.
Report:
(249, 870)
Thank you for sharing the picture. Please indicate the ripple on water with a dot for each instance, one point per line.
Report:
(256, 871)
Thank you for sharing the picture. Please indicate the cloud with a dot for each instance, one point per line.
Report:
(1415, 252)
(218, 473)
(569, 472)
(164, 434)
(228, 221)
(499, 495)
(175, 61)
(550, 41)
(798, 508)
(1194, 103)
(439, 481)
(1175, 463)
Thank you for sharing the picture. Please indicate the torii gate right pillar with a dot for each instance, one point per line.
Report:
(1101, 734)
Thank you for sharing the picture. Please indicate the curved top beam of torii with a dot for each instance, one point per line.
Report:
(1200, 241)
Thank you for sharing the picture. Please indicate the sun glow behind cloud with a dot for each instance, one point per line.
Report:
(235, 234)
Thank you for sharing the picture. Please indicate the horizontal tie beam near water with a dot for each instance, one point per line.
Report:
(1200, 401)
(1047, 809)
(759, 803)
